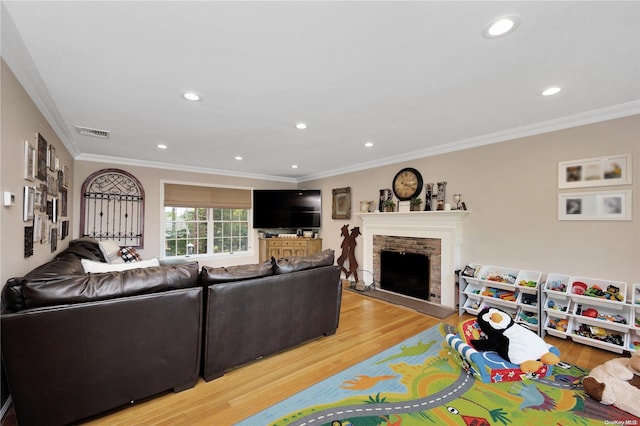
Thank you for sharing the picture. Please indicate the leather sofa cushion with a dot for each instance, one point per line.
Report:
(67, 262)
(209, 275)
(300, 263)
(65, 289)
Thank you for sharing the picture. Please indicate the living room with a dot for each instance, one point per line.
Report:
(508, 180)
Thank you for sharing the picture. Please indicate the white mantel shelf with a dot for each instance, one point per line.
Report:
(437, 214)
(445, 225)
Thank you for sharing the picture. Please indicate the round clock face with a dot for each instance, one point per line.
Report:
(407, 183)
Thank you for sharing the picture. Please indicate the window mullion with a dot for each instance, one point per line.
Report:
(210, 231)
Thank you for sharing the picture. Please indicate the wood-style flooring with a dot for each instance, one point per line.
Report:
(367, 326)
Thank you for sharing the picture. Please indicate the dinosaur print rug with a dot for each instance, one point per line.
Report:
(421, 382)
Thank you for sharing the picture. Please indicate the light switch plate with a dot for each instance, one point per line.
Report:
(8, 199)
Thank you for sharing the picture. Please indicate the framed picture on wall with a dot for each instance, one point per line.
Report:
(51, 158)
(52, 185)
(43, 200)
(38, 221)
(341, 206)
(37, 199)
(29, 198)
(42, 157)
(28, 241)
(29, 161)
(53, 239)
(65, 173)
(600, 171)
(604, 205)
(65, 229)
(63, 202)
(54, 210)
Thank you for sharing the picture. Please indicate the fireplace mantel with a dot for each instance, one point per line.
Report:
(443, 225)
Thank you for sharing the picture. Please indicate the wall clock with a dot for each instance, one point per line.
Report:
(407, 183)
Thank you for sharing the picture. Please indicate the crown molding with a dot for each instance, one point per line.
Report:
(589, 117)
(180, 168)
(575, 120)
(17, 58)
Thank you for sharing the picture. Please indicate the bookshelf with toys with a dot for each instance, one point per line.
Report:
(513, 290)
(591, 311)
(634, 332)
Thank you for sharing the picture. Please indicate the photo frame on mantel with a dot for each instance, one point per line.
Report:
(341, 205)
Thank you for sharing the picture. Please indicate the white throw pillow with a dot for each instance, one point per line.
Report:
(97, 267)
(110, 250)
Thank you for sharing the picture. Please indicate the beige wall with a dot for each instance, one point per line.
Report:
(20, 121)
(153, 179)
(512, 191)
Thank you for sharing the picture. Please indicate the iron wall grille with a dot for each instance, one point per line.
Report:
(113, 208)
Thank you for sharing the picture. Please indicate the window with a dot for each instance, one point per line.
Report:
(230, 230)
(202, 220)
(205, 231)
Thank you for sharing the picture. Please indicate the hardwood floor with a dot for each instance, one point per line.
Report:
(367, 326)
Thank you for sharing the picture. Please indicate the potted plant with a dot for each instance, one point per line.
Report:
(389, 206)
(415, 203)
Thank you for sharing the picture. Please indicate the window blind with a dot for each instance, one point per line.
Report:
(206, 196)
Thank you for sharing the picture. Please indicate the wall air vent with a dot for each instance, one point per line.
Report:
(96, 133)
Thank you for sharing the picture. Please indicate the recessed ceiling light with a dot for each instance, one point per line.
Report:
(237, 157)
(162, 146)
(294, 166)
(192, 96)
(368, 144)
(301, 126)
(501, 26)
(551, 91)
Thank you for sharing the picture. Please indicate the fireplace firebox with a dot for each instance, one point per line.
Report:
(405, 273)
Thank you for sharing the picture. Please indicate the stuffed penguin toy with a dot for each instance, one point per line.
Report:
(512, 342)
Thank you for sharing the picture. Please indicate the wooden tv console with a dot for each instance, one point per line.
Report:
(284, 247)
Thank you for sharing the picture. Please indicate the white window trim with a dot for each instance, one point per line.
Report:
(252, 240)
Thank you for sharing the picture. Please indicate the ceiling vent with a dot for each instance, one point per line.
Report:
(96, 133)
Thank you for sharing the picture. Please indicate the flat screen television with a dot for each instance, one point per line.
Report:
(287, 208)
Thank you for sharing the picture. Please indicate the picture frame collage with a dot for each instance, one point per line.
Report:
(45, 200)
(611, 170)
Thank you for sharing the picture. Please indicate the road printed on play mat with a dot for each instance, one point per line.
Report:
(463, 383)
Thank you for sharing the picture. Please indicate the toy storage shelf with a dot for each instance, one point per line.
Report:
(590, 311)
(633, 343)
(513, 290)
(556, 305)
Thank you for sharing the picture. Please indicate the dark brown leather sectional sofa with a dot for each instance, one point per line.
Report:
(282, 305)
(75, 345)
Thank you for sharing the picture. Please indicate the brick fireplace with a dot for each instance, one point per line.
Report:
(435, 233)
(427, 246)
